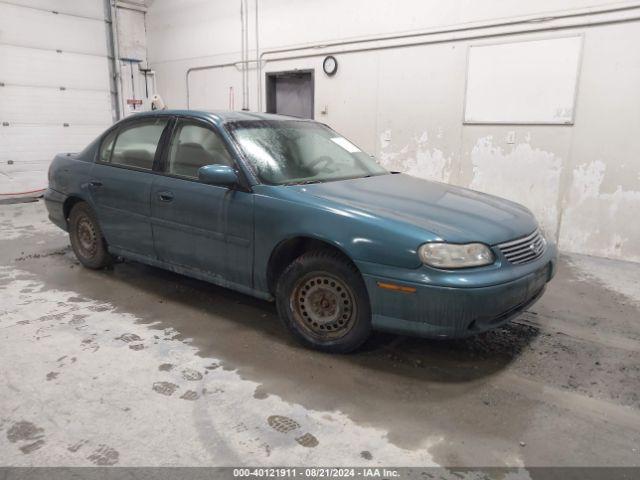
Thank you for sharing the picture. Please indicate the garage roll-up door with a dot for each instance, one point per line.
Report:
(55, 87)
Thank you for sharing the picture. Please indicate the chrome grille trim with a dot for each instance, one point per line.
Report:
(524, 249)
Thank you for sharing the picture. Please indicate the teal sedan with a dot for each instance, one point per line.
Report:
(290, 211)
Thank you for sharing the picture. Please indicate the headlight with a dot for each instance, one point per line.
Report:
(449, 255)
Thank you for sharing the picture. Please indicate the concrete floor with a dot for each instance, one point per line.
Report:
(138, 366)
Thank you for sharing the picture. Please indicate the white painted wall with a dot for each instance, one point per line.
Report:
(406, 104)
(54, 85)
(503, 79)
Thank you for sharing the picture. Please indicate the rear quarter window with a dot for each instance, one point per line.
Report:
(107, 146)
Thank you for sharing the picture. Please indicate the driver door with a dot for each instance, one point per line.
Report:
(204, 228)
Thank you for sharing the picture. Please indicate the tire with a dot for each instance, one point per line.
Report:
(86, 238)
(322, 300)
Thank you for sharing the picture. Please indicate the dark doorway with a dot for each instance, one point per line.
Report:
(290, 93)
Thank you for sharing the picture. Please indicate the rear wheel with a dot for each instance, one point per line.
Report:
(323, 301)
(86, 238)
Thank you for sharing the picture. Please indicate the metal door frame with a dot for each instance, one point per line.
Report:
(270, 86)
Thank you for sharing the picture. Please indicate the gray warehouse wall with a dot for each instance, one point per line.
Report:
(406, 103)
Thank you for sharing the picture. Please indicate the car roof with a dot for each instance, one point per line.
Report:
(220, 117)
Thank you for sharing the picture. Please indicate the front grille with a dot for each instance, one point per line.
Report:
(525, 249)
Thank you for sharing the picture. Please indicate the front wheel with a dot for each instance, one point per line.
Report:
(86, 238)
(323, 301)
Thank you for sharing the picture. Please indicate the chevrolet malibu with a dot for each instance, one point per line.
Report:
(290, 211)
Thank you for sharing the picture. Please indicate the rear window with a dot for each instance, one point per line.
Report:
(136, 145)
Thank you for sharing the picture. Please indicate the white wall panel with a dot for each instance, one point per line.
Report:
(32, 147)
(33, 107)
(29, 66)
(523, 82)
(212, 28)
(132, 35)
(86, 8)
(36, 105)
(29, 145)
(322, 20)
(211, 89)
(33, 28)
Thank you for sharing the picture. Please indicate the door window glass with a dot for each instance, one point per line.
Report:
(136, 145)
(194, 146)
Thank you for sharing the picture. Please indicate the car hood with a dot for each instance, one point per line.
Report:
(453, 214)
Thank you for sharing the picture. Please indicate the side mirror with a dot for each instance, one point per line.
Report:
(218, 175)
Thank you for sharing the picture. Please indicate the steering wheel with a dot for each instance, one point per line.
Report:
(322, 159)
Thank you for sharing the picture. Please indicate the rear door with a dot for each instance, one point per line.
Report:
(207, 228)
(121, 184)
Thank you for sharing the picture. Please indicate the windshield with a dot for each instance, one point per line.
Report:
(290, 152)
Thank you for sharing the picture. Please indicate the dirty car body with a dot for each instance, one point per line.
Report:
(436, 260)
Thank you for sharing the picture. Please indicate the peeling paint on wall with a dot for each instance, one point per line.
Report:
(599, 223)
(418, 158)
(527, 175)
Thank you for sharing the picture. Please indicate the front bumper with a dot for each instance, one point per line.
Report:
(454, 312)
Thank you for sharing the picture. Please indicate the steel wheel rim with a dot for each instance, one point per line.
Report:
(87, 237)
(324, 306)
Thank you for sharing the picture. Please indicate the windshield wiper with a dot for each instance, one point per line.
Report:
(303, 182)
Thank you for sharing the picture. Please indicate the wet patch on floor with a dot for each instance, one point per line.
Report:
(62, 251)
(23, 431)
(190, 395)
(282, 424)
(32, 447)
(15, 201)
(307, 440)
(78, 320)
(259, 393)
(165, 388)
(191, 375)
(129, 337)
(104, 456)
(29, 436)
(90, 345)
(77, 446)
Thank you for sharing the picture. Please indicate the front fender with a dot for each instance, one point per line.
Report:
(360, 236)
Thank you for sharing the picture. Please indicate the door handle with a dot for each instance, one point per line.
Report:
(95, 184)
(165, 196)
